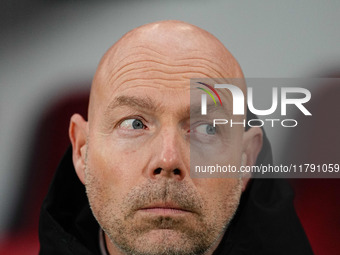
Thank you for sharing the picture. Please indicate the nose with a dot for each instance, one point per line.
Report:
(169, 156)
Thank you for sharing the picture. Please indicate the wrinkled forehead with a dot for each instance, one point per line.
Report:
(160, 59)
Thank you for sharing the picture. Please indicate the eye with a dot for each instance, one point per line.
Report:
(132, 124)
(206, 129)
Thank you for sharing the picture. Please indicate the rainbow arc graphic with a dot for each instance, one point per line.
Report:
(209, 93)
(204, 97)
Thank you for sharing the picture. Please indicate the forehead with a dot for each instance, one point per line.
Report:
(152, 72)
(151, 95)
(143, 65)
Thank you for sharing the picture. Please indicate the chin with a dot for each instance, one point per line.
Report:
(165, 241)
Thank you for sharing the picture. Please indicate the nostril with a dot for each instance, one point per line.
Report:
(157, 171)
(177, 172)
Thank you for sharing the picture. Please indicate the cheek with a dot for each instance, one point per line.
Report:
(221, 196)
(116, 168)
(216, 187)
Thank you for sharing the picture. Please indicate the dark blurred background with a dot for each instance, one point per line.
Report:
(49, 51)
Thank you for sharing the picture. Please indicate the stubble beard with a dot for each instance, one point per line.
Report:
(130, 232)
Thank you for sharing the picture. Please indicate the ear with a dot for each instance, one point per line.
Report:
(252, 144)
(78, 132)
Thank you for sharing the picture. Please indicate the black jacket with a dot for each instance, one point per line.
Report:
(265, 222)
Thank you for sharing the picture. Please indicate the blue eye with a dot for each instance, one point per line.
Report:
(132, 124)
(206, 129)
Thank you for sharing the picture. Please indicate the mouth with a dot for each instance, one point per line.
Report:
(164, 209)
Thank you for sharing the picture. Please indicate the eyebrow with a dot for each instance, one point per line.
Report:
(134, 102)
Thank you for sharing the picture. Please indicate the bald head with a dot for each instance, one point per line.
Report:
(172, 51)
(134, 154)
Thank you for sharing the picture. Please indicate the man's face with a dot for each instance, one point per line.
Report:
(137, 160)
(137, 173)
